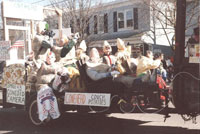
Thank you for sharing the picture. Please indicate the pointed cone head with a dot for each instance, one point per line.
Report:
(106, 47)
(83, 46)
(94, 55)
(120, 44)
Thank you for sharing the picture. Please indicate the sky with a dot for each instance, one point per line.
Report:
(42, 2)
(37, 2)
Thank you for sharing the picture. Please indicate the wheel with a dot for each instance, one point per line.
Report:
(127, 107)
(147, 106)
(33, 113)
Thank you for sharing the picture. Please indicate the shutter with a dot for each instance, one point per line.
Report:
(115, 21)
(95, 24)
(105, 23)
(88, 27)
(72, 26)
(135, 14)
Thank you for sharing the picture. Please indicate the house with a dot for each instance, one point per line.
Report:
(130, 20)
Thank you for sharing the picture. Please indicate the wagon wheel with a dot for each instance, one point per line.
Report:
(127, 107)
(146, 106)
(33, 113)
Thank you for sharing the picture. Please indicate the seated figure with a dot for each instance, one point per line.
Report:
(47, 71)
(101, 75)
(108, 58)
(81, 51)
(145, 64)
(123, 58)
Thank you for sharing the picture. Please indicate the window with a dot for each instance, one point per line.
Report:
(125, 19)
(129, 18)
(120, 20)
(101, 24)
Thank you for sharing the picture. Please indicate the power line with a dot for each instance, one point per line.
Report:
(55, 3)
(37, 1)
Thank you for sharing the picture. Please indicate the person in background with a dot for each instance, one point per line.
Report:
(163, 67)
(161, 70)
(169, 69)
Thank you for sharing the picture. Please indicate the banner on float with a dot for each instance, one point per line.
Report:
(87, 99)
(15, 94)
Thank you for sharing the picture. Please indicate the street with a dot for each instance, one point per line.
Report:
(14, 121)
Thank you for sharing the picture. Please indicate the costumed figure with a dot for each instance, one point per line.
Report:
(68, 55)
(107, 57)
(81, 51)
(40, 47)
(57, 49)
(123, 58)
(101, 74)
(46, 100)
(145, 64)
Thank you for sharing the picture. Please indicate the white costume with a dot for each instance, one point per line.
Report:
(47, 104)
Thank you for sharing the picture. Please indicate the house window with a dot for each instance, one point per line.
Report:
(125, 19)
(101, 24)
(120, 20)
(129, 18)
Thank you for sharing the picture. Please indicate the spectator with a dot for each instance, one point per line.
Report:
(162, 67)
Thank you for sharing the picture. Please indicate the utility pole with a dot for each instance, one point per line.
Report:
(180, 34)
(179, 53)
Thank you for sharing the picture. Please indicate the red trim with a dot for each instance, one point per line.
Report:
(109, 59)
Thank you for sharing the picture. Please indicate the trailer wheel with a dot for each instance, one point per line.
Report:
(33, 113)
(126, 107)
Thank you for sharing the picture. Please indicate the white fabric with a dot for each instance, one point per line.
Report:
(169, 63)
(47, 104)
(83, 45)
(57, 81)
(106, 44)
(114, 73)
(120, 44)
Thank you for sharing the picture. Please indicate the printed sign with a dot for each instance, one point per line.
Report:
(15, 94)
(4, 47)
(22, 10)
(89, 99)
(194, 53)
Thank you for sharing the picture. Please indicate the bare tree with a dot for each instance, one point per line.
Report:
(163, 18)
(77, 14)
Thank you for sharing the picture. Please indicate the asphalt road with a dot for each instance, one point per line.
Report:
(14, 121)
